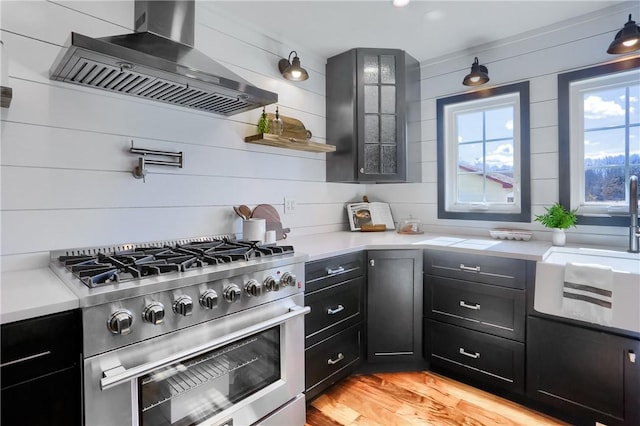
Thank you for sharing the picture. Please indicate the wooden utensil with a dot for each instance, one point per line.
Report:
(245, 211)
(272, 219)
(238, 212)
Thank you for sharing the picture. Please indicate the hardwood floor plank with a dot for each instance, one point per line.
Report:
(418, 398)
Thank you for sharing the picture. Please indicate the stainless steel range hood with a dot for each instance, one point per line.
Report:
(158, 62)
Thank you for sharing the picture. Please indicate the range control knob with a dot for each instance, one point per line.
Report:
(270, 284)
(153, 313)
(209, 299)
(288, 279)
(232, 293)
(253, 288)
(120, 322)
(183, 305)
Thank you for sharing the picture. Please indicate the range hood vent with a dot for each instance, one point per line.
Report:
(158, 62)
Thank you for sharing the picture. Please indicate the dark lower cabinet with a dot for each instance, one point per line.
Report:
(40, 372)
(588, 375)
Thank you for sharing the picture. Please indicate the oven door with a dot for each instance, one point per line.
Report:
(235, 370)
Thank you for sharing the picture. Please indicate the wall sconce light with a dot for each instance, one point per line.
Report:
(479, 75)
(627, 39)
(291, 70)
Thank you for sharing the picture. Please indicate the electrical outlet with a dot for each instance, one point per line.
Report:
(289, 205)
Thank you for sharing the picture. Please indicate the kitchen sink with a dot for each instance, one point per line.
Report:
(625, 314)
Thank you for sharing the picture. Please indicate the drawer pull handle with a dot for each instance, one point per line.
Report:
(338, 270)
(26, 358)
(335, 311)
(337, 360)
(474, 355)
(469, 268)
(632, 357)
(475, 307)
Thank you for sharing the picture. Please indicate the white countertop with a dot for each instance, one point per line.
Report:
(32, 293)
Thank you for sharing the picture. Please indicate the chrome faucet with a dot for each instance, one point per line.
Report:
(634, 229)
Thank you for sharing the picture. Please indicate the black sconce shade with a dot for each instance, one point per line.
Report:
(627, 39)
(291, 70)
(479, 75)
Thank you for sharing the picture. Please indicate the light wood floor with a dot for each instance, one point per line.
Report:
(421, 398)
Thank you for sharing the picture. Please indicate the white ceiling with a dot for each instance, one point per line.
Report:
(425, 29)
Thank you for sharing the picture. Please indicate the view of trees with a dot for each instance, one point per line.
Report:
(604, 177)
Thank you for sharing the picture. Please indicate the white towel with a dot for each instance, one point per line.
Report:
(588, 292)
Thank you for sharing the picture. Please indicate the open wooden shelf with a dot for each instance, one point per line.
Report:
(289, 143)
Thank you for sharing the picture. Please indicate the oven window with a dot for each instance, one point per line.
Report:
(188, 392)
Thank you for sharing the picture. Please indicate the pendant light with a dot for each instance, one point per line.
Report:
(291, 70)
(479, 74)
(627, 39)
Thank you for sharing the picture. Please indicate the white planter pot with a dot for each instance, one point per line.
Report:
(558, 238)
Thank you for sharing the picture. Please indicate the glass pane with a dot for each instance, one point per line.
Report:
(470, 157)
(370, 99)
(469, 126)
(634, 145)
(388, 130)
(499, 123)
(388, 99)
(604, 108)
(499, 188)
(604, 147)
(371, 128)
(370, 69)
(371, 158)
(604, 184)
(634, 104)
(470, 187)
(388, 159)
(193, 390)
(388, 69)
(499, 156)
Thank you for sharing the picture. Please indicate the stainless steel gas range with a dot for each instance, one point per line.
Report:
(202, 331)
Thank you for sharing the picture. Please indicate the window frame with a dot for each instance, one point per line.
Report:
(566, 123)
(444, 172)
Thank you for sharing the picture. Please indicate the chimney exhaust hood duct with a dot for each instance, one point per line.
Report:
(158, 62)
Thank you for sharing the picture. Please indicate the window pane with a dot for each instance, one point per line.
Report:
(388, 69)
(604, 108)
(499, 187)
(499, 123)
(499, 156)
(469, 126)
(604, 184)
(370, 69)
(470, 157)
(388, 99)
(604, 147)
(388, 130)
(470, 188)
(388, 159)
(634, 104)
(370, 99)
(371, 128)
(372, 158)
(634, 145)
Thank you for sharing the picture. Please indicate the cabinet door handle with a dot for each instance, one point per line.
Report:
(336, 310)
(475, 307)
(339, 358)
(26, 358)
(469, 268)
(372, 262)
(474, 355)
(632, 357)
(338, 270)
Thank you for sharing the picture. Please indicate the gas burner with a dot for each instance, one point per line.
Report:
(99, 269)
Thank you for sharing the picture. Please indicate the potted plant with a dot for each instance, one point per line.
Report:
(558, 218)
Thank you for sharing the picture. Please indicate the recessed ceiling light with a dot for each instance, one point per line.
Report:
(400, 3)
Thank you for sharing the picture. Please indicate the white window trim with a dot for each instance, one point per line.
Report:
(576, 142)
(451, 154)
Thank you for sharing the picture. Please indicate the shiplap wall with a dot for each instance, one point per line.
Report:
(66, 166)
(537, 56)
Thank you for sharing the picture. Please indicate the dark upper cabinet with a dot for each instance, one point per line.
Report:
(373, 116)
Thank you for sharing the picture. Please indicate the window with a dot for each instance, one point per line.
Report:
(599, 138)
(483, 155)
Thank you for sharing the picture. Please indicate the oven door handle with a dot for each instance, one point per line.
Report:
(120, 375)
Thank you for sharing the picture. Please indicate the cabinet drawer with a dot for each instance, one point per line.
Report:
(35, 347)
(473, 267)
(496, 310)
(331, 360)
(489, 359)
(333, 309)
(326, 272)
